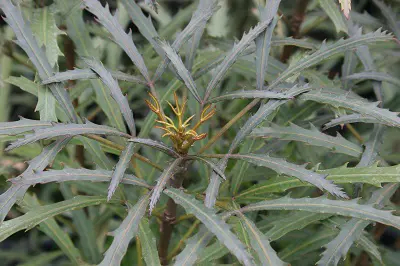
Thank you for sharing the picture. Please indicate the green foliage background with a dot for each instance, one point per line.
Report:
(306, 133)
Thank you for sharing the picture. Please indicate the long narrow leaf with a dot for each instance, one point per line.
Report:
(390, 16)
(115, 91)
(194, 42)
(40, 214)
(193, 248)
(263, 41)
(263, 112)
(340, 98)
(87, 73)
(323, 205)
(70, 174)
(53, 230)
(199, 18)
(283, 167)
(123, 39)
(379, 76)
(84, 228)
(166, 175)
(253, 94)
(28, 43)
(326, 51)
(77, 31)
(349, 119)
(148, 241)
(332, 10)
(213, 223)
(145, 25)
(312, 137)
(261, 245)
(372, 175)
(38, 164)
(234, 54)
(183, 73)
(125, 232)
(353, 229)
(120, 168)
(21, 126)
(66, 130)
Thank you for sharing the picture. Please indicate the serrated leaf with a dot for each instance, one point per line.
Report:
(199, 18)
(234, 54)
(124, 233)
(260, 244)
(148, 241)
(283, 167)
(66, 130)
(145, 25)
(372, 75)
(194, 42)
(353, 229)
(28, 43)
(78, 32)
(194, 247)
(21, 126)
(70, 174)
(263, 112)
(45, 29)
(120, 168)
(253, 94)
(263, 41)
(123, 39)
(373, 175)
(365, 57)
(115, 91)
(323, 205)
(46, 105)
(312, 137)
(156, 145)
(87, 73)
(346, 7)
(213, 223)
(326, 51)
(342, 99)
(39, 163)
(166, 175)
(40, 214)
(332, 10)
(180, 68)
(349, 119)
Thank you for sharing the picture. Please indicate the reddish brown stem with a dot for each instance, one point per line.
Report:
(169, 216)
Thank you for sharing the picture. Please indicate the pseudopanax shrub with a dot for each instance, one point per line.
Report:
(151, 136)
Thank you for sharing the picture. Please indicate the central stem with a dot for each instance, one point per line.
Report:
(169, 216)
